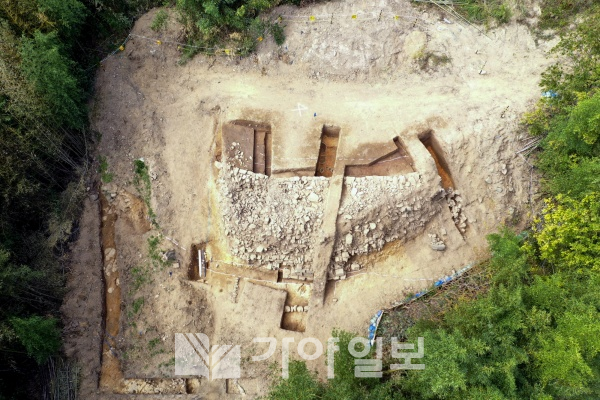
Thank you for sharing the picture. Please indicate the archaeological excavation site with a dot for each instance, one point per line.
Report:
(295, 191)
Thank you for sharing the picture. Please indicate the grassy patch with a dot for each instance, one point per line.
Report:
(429, 59)
(558, 14)
(160, 21)
(155, 347)
(105, 176)
(156, 255)
(135, 309)
(485, 12)
(153, 343)
(170, 363)
(137, 305)
(143, 184)
(140, 276)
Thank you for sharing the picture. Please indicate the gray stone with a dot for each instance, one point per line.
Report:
(438, 246)
(313, 197)
(349, 239)
(109, 254)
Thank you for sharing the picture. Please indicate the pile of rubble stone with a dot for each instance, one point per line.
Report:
(376, 210)
(272, 222)
(455, 203)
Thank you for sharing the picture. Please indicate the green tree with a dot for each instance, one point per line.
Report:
(40, 336)
(45, 65)
(66, 16)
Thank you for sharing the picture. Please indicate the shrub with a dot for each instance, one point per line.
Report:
(568, 237)
(233, 22)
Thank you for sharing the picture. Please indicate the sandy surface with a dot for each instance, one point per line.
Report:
(360, 75)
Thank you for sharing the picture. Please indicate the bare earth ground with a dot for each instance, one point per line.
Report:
(358, 74)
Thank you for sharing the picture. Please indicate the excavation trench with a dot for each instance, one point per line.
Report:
(193, 266)
(330, 136)
(111, 375)
(453, 198)
(431, 144)
(396, 162)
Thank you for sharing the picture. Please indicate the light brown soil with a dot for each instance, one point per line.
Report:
(362, 78)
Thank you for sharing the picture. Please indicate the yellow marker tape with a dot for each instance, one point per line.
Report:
(354, 16)
(311, 18)
(121, 48)
(227, 51)
(260, 38)
(158, 42)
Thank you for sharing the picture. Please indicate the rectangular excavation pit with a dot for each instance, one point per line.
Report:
(431, 144)
(254, 141)
(396, 162)
(330, 136)
(194, 265)
(295, 314)
(290, 275)
(294, 321)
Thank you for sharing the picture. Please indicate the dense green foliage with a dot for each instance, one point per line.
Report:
(559, 13)
(303, 384)
(570, 122)
(486, 12)
(235, 22)
(534, 331)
